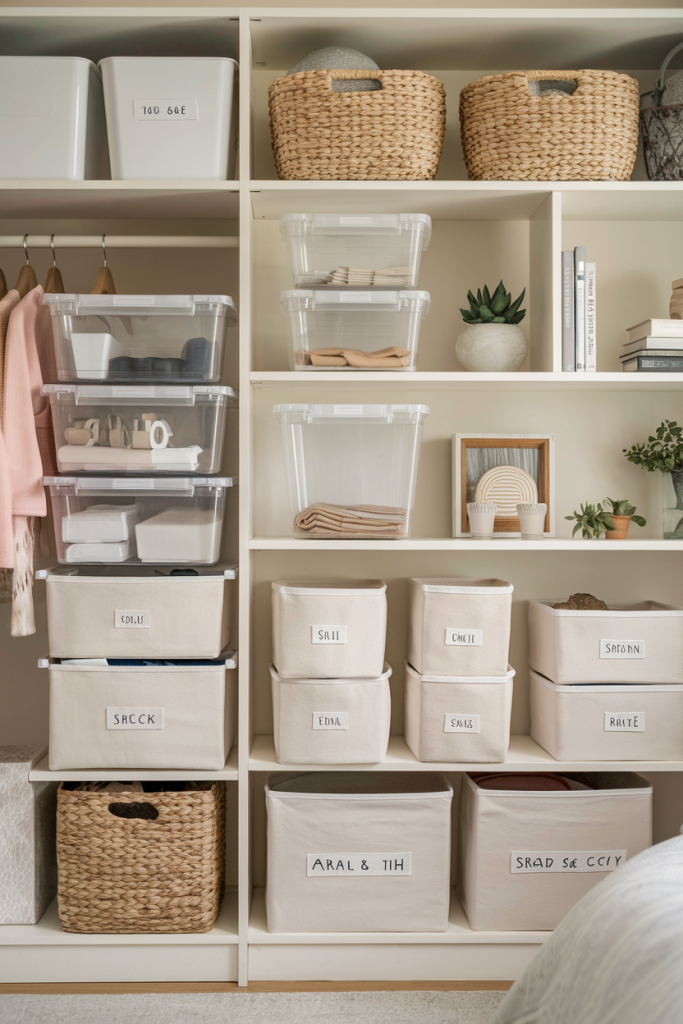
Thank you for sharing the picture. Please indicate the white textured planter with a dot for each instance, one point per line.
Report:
(492, 348)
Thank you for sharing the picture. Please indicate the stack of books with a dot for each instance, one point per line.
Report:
(654, 346)
(578, 312)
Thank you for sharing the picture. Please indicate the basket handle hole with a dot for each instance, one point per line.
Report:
(133, 810)
(553, 86)
(355, 84)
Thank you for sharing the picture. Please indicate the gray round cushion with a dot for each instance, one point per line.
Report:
(336, 58)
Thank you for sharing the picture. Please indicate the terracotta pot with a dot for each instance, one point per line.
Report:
(620, 531)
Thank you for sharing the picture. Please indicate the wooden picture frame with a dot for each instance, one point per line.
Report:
(543, 444)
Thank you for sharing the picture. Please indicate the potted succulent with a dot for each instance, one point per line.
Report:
(664, 452)
(592, 520)
(621, 512)
(492, 341)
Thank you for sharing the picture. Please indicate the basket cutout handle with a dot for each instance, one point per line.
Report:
(346, 75)
(552, 84)
(659, 84)
(145, 811)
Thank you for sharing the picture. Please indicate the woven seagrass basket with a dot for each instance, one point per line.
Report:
(508, 134)
(140, 874)
(392, 134)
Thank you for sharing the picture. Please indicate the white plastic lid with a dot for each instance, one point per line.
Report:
(386, 673)
(148, 305)
(462, 585)
(185, 486)
(354, 224)
(131, 394)
(350, 413)
(374, 299)
(333, 587)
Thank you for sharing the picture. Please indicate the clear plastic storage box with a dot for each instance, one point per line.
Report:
(107, 520)
(138, 338)
(109, 428)
(361, 250)
(355, 330)
(351, 469)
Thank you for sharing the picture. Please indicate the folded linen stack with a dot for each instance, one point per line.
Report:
(385, 358)
(352, 521)
(391, 277)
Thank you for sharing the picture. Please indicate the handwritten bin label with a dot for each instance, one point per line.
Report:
(459, 636)
(460, 723)
(131, 618)
(135, 718)
(330, 719)
(570, 862)
(622, 649)
(356, 865)
(166, 110)
(624, 721)
(328, 634)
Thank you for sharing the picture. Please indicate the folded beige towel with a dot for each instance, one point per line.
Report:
(396, 277)
(352, 521)
(385, 358)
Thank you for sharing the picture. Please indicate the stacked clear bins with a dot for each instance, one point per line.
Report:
(360, 309)
(458, 684)
(607, 684)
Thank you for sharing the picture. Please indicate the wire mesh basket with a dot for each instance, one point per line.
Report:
(662, 128)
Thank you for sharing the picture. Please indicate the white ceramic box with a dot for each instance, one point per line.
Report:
(331, 721)
(458, 718)
(629, 643)
(612, 722)
(28, 861)
(144, 715)
(329, 628)
(138, 613)
(358, 852)
(525, 858)
(53, 119)
(459, 626)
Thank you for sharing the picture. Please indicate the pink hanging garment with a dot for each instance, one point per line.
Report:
(7, 304)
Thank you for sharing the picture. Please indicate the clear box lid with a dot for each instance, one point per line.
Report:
(141, 305)
(354, 224)
(374, 300)
(350, 413)
(177, 486)
(133, 394)
(76, 573)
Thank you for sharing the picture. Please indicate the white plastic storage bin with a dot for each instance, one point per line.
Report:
(138, 612)
(329, 628)
(28, 876)
(459, 627)
(138, 338)
(107, 428)
(527, 857)
(358, 852)
(108, 520)
(142, 716)
(613, 722)
(451, 718)
(331, 721)
(386, 248)
(53, 119)
(630, 643)
(169, 117)
(351, 469)
(355, 330)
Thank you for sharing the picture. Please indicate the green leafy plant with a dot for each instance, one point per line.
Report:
(591, 520)
(664, 451)
(493, 309)
(623, 507)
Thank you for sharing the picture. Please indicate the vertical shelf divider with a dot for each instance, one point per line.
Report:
(545, 260)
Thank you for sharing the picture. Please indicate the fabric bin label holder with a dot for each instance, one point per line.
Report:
(141, 305)
(133, 394)
(329, 634)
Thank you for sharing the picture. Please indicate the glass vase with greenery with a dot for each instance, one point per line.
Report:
(664, 452)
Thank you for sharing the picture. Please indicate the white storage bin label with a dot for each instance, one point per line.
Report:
(358, 864)
(131, 618)
(166, 110)
(622, 649)
(525, 862)
(454, 722)
(330, 719)
(624, 721)
(135, 718)
(328, 634)
(456, 636)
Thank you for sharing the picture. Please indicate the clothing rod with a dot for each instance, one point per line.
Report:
(121, 242)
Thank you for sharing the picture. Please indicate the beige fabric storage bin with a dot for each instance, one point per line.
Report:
(525, 858)
(358, 852)
(630, 643)
(613, 722)
(142, 716)
(458, 718)
(459, 627)
(331, 721)
(137, 613)
(329, 629)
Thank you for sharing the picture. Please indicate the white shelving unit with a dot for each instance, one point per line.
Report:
(481, 231)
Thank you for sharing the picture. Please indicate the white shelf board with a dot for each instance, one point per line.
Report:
(458, 931)
(49, 932)
(413, 380)
(132, 200)
(524, 754)
(464, 544)
(42, 773)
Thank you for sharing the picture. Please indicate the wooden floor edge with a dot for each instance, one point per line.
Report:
(166, 987)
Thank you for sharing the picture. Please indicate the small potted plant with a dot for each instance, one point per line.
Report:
(664, 452)
(492, 341)
(621, 512)
(592, 520)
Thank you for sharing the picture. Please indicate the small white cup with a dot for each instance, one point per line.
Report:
(532, 520)
(482, 515)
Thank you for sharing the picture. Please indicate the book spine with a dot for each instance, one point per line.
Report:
(591, 336)
(568, 312)
(580, 307)
(649, 365)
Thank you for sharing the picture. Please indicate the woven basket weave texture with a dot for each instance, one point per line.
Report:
(393, 134)
(510, 135)
(137, 875)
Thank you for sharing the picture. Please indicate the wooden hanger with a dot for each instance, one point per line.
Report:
(27, 279)
(53, 282)
(104, 285)
(3, 285)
